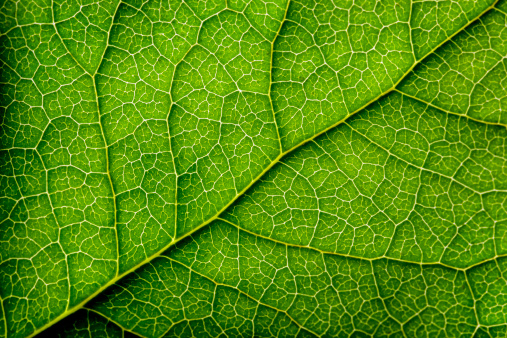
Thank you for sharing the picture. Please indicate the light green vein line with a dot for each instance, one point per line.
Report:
(101, 128)
(448, 111)
(359, 257)
(4, 315)
(271, 74)
(501, 11)
(114, 322)
(475, 304)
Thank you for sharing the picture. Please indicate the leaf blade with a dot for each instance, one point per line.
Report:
(145, 89)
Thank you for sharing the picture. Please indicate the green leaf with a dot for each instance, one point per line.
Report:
(253, 168)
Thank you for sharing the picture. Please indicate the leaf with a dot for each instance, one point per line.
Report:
(251, 168)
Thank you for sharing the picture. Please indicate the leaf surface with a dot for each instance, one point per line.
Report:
(251, 168)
